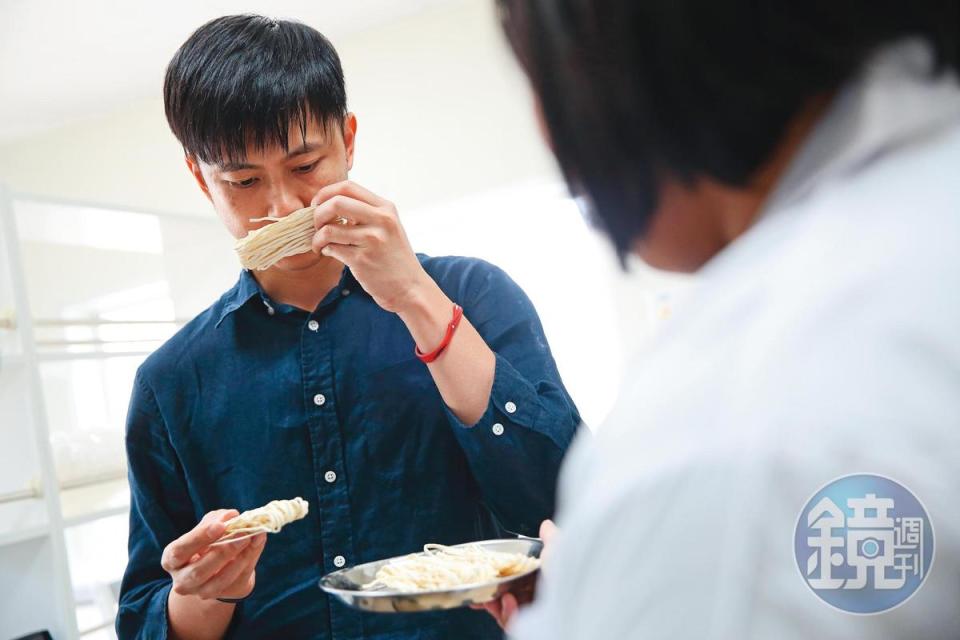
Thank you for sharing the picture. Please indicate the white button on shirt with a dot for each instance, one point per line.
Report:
(313, 325)
(510, 407)
(497, 429)
(339, 561)
(319, 399)
(823, 342)
(330, 476)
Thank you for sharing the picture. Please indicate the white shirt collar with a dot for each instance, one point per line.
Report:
(894, 100)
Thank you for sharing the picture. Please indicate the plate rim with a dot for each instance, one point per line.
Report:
(426, 592)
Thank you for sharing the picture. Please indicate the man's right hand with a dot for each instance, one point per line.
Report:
(208, 572)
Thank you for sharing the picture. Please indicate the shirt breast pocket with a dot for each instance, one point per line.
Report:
(403, 389)
(403, 426)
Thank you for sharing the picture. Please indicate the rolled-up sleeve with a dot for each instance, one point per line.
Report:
(160, 510)
(516, 447)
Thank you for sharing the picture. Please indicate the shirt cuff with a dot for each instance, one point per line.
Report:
(513, 401)
(148, 616)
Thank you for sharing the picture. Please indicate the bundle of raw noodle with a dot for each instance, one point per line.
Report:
(288, 236)
(442, 567)
(269, 518)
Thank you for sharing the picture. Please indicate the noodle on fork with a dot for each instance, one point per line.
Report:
(269, 518)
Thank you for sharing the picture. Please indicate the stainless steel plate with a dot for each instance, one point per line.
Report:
(345, 584)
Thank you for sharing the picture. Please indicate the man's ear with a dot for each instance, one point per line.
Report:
(349, 137)
(194, 166)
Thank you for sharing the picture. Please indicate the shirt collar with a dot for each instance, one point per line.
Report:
(238, 296)
(895, 100)
(247, 287)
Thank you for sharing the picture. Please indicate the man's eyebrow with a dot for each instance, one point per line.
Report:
(237, 166)
(306, 147)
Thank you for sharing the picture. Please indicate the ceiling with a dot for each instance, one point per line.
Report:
(63, 61)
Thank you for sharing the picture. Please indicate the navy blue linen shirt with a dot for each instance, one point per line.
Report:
(254, 401)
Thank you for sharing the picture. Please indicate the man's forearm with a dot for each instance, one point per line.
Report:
(192, 618)
(464, 372)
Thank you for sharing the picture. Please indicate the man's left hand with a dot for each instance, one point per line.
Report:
(503, 609)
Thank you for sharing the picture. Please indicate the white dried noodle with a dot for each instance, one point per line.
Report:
(442, 567)
(288, 236)
(269, 518)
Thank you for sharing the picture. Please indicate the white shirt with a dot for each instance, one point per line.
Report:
(823, 342)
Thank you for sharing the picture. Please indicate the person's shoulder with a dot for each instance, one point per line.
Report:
(457, 266)
(864, 257)
(830, 319)
(894, 221)
(877, 256)
(465, 275)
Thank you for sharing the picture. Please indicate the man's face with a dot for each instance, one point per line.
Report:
(273, 183)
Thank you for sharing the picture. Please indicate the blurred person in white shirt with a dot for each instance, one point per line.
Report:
(803, 158)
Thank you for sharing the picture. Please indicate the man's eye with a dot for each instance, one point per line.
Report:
(244, 184)
(306, 168)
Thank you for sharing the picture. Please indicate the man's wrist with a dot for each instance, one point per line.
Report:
(422, 301)
(193, 617)
(427, 314)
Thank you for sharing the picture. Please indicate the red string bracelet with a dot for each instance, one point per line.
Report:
(448, 336)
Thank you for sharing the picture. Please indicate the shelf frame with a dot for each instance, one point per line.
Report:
(63, 618)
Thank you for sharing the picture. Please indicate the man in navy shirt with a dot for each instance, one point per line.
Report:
(302, 380)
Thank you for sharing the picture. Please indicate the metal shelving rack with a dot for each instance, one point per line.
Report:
(37, 508)
(34, 568)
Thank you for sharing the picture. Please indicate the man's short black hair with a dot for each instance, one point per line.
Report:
(633, 91)
(246, 79)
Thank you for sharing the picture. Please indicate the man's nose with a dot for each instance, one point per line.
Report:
(284, 201)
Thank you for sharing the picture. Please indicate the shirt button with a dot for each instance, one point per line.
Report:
(510, 407)
(339, 561)
(313, 325)
(319, 399)
(270, 310)
(330, 476)
(498, 429)
(345, 292)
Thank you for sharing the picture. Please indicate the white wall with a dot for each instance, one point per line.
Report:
(442, 111)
